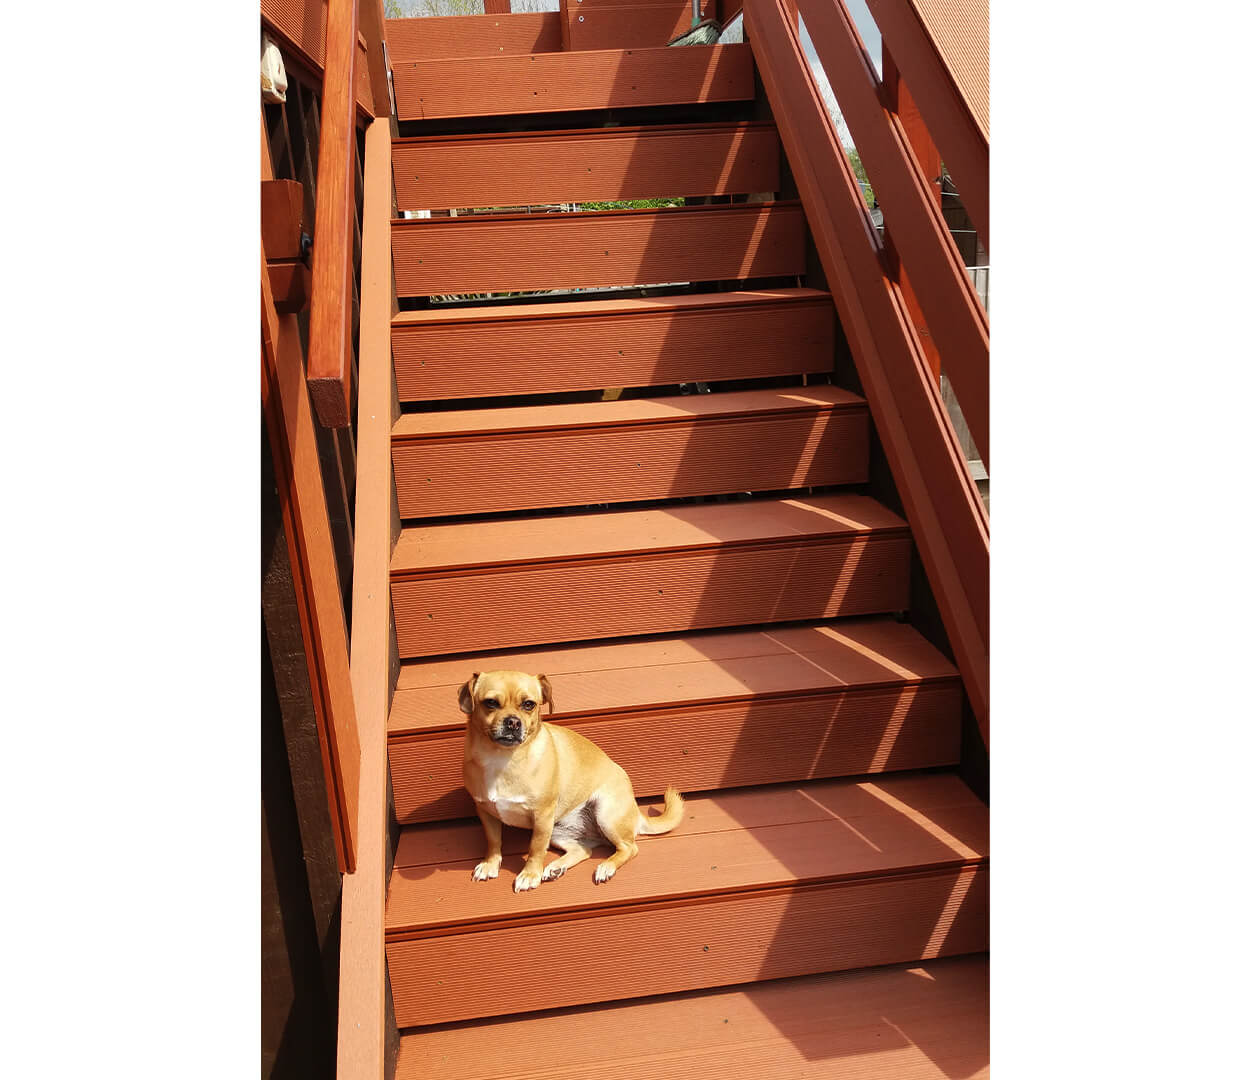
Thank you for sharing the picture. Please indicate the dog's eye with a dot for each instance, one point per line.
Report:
(527, 705)
(490, 703)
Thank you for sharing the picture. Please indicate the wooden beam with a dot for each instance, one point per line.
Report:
(281, 218)
(363, 994)
(291, 282)
(939, 496)
(963, 141)
(372, 22)
(935, 270)
(330, 310)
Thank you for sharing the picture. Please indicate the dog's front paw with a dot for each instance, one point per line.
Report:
(527, 879)
(604, 872)
(486, 870)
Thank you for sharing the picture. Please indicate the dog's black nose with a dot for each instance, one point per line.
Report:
(512, 724)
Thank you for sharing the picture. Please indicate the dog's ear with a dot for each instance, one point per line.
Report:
(466, 694)
(547, 698)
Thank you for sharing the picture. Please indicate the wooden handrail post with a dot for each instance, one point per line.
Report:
(330, 313)
(961, 138)
(934, 268)
(362, 971)
(940, 500)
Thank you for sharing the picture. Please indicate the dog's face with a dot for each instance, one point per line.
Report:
(505, 706)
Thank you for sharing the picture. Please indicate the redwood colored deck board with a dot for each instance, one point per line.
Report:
(447, 37)
(592, 344)
(933, 797)
(714, 942)
(831, 876)
(706, 711)
(598, 164)
(638, 26)
(599, 249)
(872, 651)
(511, 606)
(427, 548)
(487, 461)
(722, 745)
(924, 1021)
(572, 81)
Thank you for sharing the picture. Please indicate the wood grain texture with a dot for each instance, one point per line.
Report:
(926, 1021)
(926, 461)
(625, 26)
(289, 422)
(299, 29)
(703, 711)
(458, 36)
(330, 308)
(748, 887)
(516, 459)
(935, 270)
(484, 351)
(281, 218)
(512, 252)
(645, 572)
(573, 81)
(362, 1035)
(599, 164)
(461, 547)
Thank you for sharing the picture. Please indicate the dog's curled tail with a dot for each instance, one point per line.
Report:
(674, 808)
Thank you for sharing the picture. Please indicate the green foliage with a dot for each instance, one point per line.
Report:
(861, 176)
(632, 204)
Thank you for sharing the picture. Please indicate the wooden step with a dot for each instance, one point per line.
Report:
(923, 1021)
(480, 461)
(704, 711)
(450, 37)
(520, 168)
(593, 344)
(468, 587)
(519, 252)
(632, 26)
(761, 883)
(543, 82)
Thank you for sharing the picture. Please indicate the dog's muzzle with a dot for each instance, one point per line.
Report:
(509, 731)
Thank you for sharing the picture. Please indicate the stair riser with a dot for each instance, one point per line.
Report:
(497, 357)
(714, 941)
(594, 250)
(580, 166)
(670, 592)
(572, 81)
(719, 746)
(439, 477)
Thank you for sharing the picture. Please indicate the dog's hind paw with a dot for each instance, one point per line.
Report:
(554, 871)
(604, 872)
(484, 871)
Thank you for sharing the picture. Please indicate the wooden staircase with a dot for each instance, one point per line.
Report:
(710, 581)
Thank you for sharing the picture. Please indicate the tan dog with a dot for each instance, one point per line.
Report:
(549, 779)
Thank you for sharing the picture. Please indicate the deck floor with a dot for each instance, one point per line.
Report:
(927, 1021)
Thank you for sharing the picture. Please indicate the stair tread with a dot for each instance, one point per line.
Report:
(682, 670)
(415, 426)
(658, 304)
(922, 1021)
(730, 841)
(424, 548)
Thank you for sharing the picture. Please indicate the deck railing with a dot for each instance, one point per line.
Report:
(938, 493)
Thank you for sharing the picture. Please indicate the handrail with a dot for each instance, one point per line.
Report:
(960, 136)
(940, 499)
(330, 307)
(314, 575)
(952, 310)
(362, 967)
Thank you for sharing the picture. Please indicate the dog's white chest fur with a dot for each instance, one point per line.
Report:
(511, 806)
